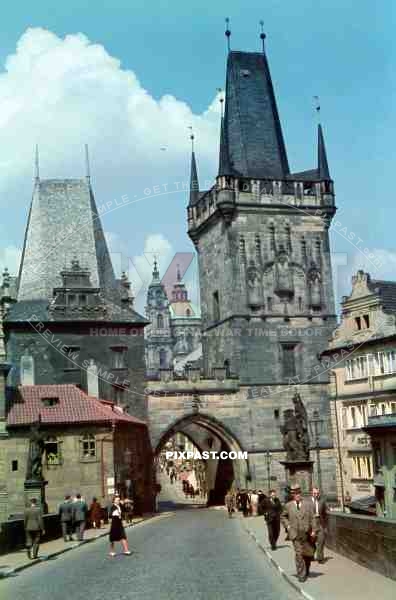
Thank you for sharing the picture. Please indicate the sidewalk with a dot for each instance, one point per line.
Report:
(17, 561)
(338, 579)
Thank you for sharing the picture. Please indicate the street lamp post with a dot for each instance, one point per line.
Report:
(316, 425)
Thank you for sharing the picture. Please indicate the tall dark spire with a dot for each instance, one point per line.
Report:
(37, 164)
(252, 141)
(194, 184)
(224, 163)
(323, 167)
(262, 35)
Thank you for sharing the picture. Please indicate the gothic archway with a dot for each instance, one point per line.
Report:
(201, 429)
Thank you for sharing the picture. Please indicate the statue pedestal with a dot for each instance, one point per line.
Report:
(299, 472)
(35, 489)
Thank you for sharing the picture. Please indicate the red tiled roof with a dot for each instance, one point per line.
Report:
(74, 407)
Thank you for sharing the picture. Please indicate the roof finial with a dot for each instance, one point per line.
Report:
(87, 168)
(262, 35)
(317, 107)
(228, 33)
(36, 164)
(192, 137)
(221, 100)
(155, 269)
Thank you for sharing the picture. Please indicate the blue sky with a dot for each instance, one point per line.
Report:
(343, 51)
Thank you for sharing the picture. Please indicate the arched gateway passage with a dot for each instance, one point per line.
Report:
(207, 434)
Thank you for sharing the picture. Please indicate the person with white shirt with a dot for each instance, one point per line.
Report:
(321, 521)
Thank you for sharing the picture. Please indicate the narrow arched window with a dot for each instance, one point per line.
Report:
(160, 322)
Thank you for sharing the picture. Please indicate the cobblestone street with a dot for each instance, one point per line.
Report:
(194, 554)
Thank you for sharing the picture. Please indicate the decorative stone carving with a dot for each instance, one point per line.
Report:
(253, 285)
(314, 286)
(284, 286)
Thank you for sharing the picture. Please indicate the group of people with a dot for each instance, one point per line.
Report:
(74, 515)
(304, 520)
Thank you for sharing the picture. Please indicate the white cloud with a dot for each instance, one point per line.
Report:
(62, 93)
(10, 257)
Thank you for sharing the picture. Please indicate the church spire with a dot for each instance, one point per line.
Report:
(323, 167)
(36, 164)
(224, 163)
(194, 184)
(156, 274)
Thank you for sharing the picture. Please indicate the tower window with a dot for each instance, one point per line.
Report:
(162, 359)
(358, 323)
(71, 299)
(120, 358)
(288, 360)
(300, 303)
(160, 322)
(188, 312)
(269, 303)
(118, 395)
(276, 413)
(82, 299)
(366, 319)
(14, 465)
(216, 306)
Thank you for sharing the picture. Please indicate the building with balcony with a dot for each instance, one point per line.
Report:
(362, 359)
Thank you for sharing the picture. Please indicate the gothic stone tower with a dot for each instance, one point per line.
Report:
(261, 234)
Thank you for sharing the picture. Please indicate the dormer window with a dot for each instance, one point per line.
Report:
(50, 402)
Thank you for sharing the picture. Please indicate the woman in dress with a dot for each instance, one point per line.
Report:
(117, 531)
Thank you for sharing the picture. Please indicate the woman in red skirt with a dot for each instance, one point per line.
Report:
(117, 531)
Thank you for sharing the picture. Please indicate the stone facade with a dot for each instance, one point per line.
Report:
(362, 359)
(173, 336)
(261, 235)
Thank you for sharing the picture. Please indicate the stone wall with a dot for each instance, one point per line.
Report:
(250, 419)
(12, 533)
(368, 541)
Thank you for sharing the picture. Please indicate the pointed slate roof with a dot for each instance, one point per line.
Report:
(323, 167)
(194, 184)
(63, 225)
(252, 134)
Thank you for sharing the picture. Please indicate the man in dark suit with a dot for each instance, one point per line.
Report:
(298, 520)
(321, 521)
(34, 528)
(80, 511)
(272, 513)
(66, 518)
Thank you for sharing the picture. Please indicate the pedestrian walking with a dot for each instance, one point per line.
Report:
(80, 511)
(230, 502)
(95, 513)
(254, 499)
(66, 518)
(117, 531)
(272, 515)
(321, 522)
(34, 528)
(298, 520)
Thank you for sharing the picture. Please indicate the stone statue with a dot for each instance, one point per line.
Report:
(253, 285)
(302, 423)
(34, 471)
(283, 275)
(181, 346)
(314, 285)
(295, 431)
